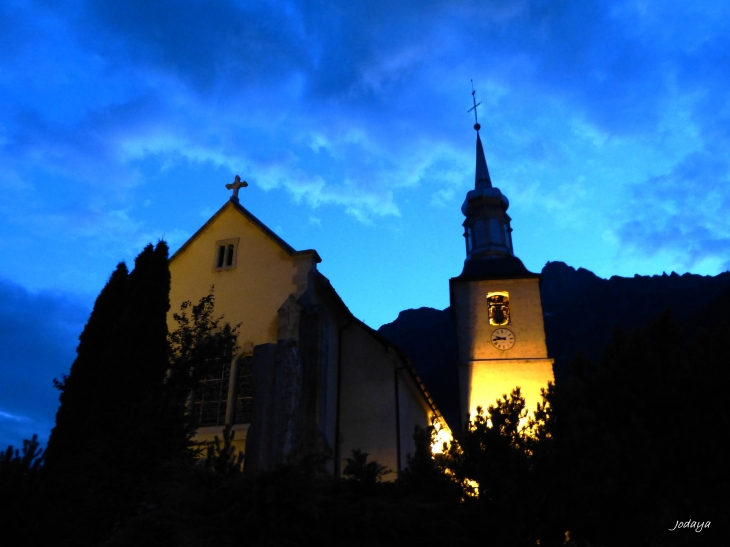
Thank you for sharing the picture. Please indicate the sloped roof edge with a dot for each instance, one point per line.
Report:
(249, 216)
(325, 283)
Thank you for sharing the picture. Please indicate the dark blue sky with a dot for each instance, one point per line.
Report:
(606, 123)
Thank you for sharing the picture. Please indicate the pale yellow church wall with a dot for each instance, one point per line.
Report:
(367, 405)
(207, 435)
(474, 330)
(251, 293)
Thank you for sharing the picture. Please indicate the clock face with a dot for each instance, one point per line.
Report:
(503, 339)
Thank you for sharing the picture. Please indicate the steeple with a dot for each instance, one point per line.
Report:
(487, 226)
(495, 304)
(482, 179)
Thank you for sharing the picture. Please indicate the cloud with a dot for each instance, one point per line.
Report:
(255, 64)
(351, 106)
(38, 334)
(684, 212)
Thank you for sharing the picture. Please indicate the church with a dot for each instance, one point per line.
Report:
(311, 377)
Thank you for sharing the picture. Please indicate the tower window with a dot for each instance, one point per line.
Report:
(499, 312)
(225, 254)
(495, 233)
(480, 233)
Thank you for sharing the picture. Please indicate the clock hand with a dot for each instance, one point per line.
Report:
(499, 338)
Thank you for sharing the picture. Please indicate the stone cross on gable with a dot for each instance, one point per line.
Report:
(235, 186)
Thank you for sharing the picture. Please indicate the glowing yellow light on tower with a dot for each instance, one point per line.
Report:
(490, 383)
(499, 311)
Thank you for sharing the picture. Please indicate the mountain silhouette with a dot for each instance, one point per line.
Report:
(581, 311)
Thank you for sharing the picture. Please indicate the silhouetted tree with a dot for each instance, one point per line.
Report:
(491, 460)
(425, 473)
(366, 474)
(117, 425)
(491, 451)
(81, 389)
(632, 445)
(23, 497)
(144, 424)
(224, 459)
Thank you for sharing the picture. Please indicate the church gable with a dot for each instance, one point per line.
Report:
(252, 269)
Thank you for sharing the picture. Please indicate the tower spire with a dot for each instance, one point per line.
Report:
(481, 179)
(487, 225)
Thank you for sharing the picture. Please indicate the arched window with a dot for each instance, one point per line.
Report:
(480, 234)
(499, 312)
(495, 231)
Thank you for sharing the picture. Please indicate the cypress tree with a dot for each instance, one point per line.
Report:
(143, 337)
(75, 421)
(116, 425)
(146, 427)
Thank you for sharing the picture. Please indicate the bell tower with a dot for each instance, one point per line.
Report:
(496, 306)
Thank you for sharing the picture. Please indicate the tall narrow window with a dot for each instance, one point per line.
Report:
(211, 397)
(495, 231)
(480, 233)
(499, 312)
(226, 251)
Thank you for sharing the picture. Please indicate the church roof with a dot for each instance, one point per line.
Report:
(507, 267)
(251, 218)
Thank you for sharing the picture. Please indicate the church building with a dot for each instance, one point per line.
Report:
(309, 375)
(312, 377)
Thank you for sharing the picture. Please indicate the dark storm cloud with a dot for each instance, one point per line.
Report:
(205, 43)
(684, 211)
(611, 58)
(38, 337)
(85, 150)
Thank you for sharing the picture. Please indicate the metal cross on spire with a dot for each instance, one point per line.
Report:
(236, 185)
(474, 108)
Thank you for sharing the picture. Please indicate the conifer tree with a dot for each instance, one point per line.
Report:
(75, 420)
(116, 426)
(144, 425)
